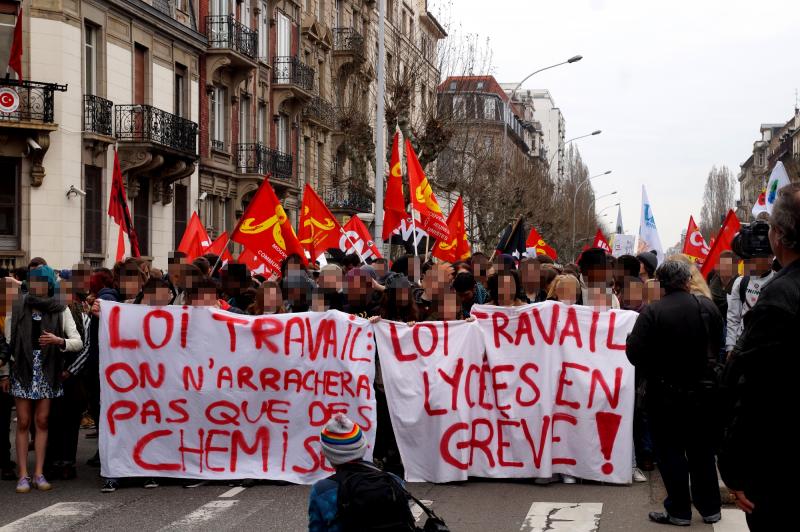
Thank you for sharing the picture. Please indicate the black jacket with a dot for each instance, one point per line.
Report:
(761, 377)
(670, 344)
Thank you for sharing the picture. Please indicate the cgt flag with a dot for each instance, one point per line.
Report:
(600, 241)
(266, 231)
(723, 241)
(356, 239)
(394, 204)
(423, 199)
(457, 248)
(535, 241)
(694, 245)
(195, 239)
(319, 229)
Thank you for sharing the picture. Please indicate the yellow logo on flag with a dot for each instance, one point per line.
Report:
(424, 195)
(249, 228)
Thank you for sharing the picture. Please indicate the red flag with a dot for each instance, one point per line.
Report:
(219, 247)
(536, 241)
(15, 57)
(253, 262)
(357, 236)
(319, 229)
(723, 241)
(694, 244)
(195, 240)
(265, 229)
(120, 245)
(457, 248)
(423, 199)
(118, 207)
(601, 242)
(394, 204)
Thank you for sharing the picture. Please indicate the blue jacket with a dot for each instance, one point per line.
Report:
(323, 504)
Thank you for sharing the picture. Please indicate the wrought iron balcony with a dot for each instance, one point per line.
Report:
(320, 111)
(348, 40)
(225, 32)
(255, 158)
(33, 102)
(292, 71)
(145, 123)
(97, 115)
(347, 197)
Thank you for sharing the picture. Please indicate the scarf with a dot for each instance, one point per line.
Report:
(22, 344)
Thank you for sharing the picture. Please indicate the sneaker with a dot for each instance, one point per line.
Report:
(568, 479)
(638, 475)
(110, 486)
(195, 483)
(150, 483)
(711, 519)
(543, 481)
(41, 484)
(665, 519)
(24, 485)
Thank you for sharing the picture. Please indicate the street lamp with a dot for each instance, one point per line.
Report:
(595, 132)
(594, 202)
(507, 114)
(575, 200)
(604, 209)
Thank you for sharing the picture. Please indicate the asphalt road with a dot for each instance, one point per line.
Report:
(474, 506)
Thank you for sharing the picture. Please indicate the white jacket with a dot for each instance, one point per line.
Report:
(737, 309)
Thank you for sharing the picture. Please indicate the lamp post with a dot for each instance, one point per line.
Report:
(594, 202)
(507, 114)
(575, 200)
(595, 132)
(604, 209)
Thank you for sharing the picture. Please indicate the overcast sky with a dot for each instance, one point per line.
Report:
(676, 87)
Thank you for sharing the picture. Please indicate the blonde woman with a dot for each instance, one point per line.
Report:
(697, 285)
(565, 288)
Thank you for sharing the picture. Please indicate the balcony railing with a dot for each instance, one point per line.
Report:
(347, 197)
(97, 115)
(320, 111)
(218, 145)
(225, 32)
(255, 158)
(292, 71)
(145, 123)
(348, 40)
(28, 101)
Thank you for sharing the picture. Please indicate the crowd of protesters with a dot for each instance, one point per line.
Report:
(688, 328)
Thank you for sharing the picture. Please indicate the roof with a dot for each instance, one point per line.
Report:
(470, 84)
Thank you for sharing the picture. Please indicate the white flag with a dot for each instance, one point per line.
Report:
(777, 180)
(648, 233)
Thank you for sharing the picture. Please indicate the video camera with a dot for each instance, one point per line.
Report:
(752, 240)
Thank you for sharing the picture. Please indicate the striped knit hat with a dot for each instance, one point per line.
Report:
(342, 440)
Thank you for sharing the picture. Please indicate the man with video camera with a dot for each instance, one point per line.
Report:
(751, 244)
(761, 375)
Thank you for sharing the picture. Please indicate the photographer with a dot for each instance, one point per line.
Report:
(752, 244)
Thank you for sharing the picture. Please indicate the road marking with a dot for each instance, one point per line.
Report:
(233, 492)
(58, 516)
(563, 517)
(417, 511)
(205, 513)
(732, 521)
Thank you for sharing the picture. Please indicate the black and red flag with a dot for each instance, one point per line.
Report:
(119, 212)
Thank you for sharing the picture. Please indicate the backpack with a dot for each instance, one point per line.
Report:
(743, 289)
(369, 499)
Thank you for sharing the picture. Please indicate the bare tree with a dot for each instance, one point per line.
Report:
(718, 198)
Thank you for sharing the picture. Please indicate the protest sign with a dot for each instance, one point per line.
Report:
(521, 392)
(622, 245)
(202, 393)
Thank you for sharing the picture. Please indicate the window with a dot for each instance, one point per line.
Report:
(284, 36)
(337, 13)
(479, 86)
(320, 163)
(216, 117)
(181, 211)
(244, 119)
(452, 86)
(90, 59)
(10, 204)
(489, 107)
(405, 22)
(244, 14)
(93, 209)
(319, 10)
(8, 19)
(262, 124)
(180, 90)
(307, 160)
(283, 134)
(219, 7)
(263, 32)
(459, 107)
(141, 216)
(390, 11)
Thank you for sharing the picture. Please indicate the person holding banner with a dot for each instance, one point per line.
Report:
(505, 289)
(268, 300)
(675, 344)
(42, 330)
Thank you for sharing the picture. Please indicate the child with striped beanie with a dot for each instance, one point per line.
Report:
(342, 440)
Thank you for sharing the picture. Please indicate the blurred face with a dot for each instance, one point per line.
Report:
(436, 283)
(358, 288)
(7, 295)
(130, 283)
(643, 275)
(37, 287)
(80, 280)
(597, 275)
(761, 265)
(530, 274)
(271, 300)
(727, 267)
(450, 306)
(506, 291)
(175, 271)
(402, 297)
(206, 297)
(330, 280)
(652, 291)
(567, 290)
(633, 293)
(157, 297)
(380, 268)
(479, 266)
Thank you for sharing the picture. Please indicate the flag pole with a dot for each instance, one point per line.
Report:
(352, 243)
(414, 225)
(219, 257)
(513, 228)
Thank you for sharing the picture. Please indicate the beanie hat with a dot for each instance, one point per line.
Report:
(342, 440)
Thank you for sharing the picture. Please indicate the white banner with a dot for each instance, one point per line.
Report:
(522, 392)
(204, 393)
(622, 245)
